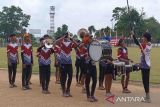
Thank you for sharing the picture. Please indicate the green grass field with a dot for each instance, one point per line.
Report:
(134, 54)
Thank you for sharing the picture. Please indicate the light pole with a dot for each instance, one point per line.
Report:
(112, 29)
(128, 6)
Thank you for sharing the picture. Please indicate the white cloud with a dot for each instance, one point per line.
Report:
(78, 13)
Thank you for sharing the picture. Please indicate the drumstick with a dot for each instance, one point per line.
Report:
(136, 41)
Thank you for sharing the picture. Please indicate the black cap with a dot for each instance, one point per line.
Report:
(147, 36)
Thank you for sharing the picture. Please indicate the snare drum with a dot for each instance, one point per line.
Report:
(119, 68)
(128, 68)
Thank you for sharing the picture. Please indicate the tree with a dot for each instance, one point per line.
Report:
(13, 20)
(153, 26)
(126, 20)
(97, 33)
(107, 30)
(60, 31)
(64, 28)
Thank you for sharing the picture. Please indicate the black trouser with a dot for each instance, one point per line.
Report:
(12, 69)
(30, 74)
(78, 71)
(46, 73)
(91, 73)
(145, 79)
(40, 75)
(83, 66)
(66, 70)
(26, 72)
(101, 74)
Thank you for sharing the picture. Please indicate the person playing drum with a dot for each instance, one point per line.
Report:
(108, 67)
(106, 49)
(91, 72)
(123, 57)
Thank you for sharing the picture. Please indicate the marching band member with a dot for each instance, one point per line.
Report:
(101, 75)
(108, 67)
(27, 61)
(123, 56)
(77, 64)
(40, 68)
(13, 59)
(57, 64)
(145, 63)
(83, 65)
(44, 55)
(107, 51)
(91, 72)
(66, 46)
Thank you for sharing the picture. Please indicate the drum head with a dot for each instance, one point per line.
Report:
(95, 50)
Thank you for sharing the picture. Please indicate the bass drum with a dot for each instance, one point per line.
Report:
(95, 50)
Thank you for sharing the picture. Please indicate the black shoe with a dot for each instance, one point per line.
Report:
(24, 88)
(94, 98)
(30, 82)
(65, 95)
(68, 93)
(14, 85)
(48, 92)
(28, 87)
(11, 86)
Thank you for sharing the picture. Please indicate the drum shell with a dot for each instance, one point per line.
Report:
(136, 67)
(119, 70)
(107, 67)
(129, 69)
(96, 50)
(106, 50)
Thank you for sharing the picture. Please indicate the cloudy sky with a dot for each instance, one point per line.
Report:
(78, 13)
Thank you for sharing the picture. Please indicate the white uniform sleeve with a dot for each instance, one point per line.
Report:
(147, 53)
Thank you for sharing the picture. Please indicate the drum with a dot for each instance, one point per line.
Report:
(107, 49)
(119, 68)
(136, 67)
(129, 68)
(95, 50)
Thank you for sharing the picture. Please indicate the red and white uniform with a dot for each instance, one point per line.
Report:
(26, 52)
(57, 51)
(66, 48)
(12, 50)
(83, 52)
(44, 55)
(122, 53)
(78, 53)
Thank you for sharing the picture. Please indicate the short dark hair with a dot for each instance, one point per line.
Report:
(120, 41)
(12, 35)
(46, 36)
(41, 39)
(147, 36)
